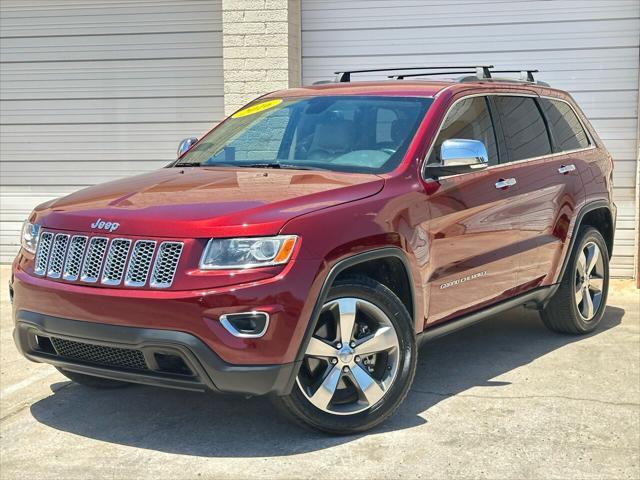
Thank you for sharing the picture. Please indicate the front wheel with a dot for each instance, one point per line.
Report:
(359, 363)
(578, 305)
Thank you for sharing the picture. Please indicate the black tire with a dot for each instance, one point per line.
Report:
(93, 382)
(298, 407)
(562, 313)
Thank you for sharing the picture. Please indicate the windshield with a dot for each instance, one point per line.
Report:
(363, 134)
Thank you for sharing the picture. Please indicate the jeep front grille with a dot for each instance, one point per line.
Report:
(107, 261)
(164, 268)
(42, 256)
(74, 258)
(93, 260)
(116, 261)
(56, 260)
(138, 269)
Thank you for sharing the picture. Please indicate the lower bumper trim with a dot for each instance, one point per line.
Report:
(207, 370)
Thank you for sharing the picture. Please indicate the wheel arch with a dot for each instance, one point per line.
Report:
(601, 219)
(389, 270)
(598, 214)
(392, 258)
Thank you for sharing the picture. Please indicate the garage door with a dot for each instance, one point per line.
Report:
(93, 90)
(589, 48)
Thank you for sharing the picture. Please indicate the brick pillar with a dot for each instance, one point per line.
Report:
(260, 48)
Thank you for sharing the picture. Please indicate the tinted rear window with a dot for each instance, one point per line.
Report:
(524, 130)
(566, 129)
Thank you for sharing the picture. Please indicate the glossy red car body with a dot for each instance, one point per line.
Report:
(444, 230)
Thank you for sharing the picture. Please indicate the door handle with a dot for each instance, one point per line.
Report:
(505, 183)
(564, 169)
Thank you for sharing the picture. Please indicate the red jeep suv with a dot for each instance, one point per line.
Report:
(304, 246)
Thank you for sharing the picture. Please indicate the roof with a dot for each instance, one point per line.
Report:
(406, 88)
(414, 88)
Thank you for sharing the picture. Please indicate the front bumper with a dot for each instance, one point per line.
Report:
(288, 299)
(136, 355)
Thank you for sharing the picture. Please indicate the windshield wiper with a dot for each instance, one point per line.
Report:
(260, 165)
(249, 165)
(188, 164)
(205, 164)
(289, 166)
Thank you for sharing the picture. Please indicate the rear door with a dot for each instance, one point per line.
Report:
(542, 153)
(473, 255)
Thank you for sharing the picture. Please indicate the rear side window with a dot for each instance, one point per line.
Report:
(525, 133)
(566, 129)
(468, 119)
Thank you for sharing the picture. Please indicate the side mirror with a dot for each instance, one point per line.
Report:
(459, 155)
(185, 145)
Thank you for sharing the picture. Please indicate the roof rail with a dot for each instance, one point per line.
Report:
(402, 76)
(525, 75)
(482, 71)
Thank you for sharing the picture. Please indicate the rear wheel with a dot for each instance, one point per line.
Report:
(578, 305)
(91, 381)
(359, 363)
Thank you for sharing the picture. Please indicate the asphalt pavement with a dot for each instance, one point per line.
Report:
(502, 399)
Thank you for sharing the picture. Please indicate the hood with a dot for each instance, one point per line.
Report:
(203, 202)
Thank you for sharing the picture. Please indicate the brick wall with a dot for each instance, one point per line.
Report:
(261, 48)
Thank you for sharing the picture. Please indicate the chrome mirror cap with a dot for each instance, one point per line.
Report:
(185, 145)
(458, 151)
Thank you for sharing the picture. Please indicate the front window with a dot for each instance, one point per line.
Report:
(363, 134)
(468, 119)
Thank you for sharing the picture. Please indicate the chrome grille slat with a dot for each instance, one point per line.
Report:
(58, 253)
(116, 261)
(93, 259)
(42, 256)
(75, 255)
(164, 268)
(139, 264)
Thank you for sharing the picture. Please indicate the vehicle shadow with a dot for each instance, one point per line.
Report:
(229, 426)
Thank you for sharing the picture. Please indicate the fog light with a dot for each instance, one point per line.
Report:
(246, 325)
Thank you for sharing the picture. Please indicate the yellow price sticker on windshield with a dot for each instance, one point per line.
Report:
(258, 107)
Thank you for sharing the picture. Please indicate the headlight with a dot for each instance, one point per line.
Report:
(231, 253)
(30, 235)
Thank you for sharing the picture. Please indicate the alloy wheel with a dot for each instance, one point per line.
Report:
(352, 358)
(589, 281)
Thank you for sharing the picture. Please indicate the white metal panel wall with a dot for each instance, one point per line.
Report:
(93, 90)
(588, 47)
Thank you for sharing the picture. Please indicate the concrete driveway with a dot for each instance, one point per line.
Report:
(503, 399)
